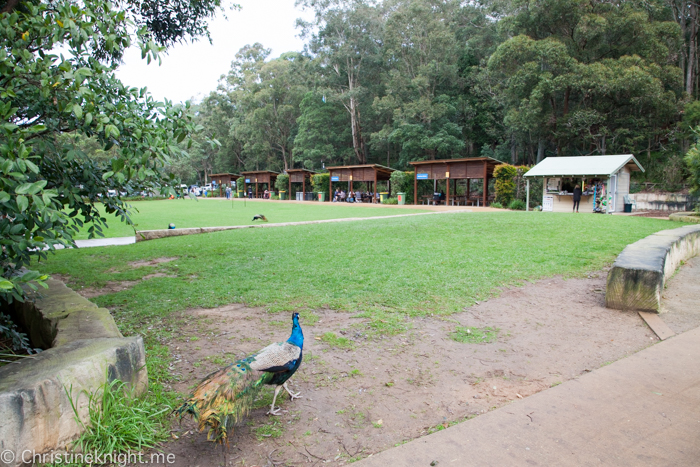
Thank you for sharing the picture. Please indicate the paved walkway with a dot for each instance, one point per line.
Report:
(643, 410)
(105, 241)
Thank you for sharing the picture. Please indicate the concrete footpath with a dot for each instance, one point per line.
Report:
(643, 410)
(105, 242)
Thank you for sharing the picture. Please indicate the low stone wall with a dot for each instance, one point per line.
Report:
(685, 217)
(663, 201)
(84, 350)
(639, 273)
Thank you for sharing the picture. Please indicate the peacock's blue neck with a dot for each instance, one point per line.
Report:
(297, 337)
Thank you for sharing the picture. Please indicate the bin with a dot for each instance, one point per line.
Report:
(384, 195)
(402, 198)
(628, 208)
(239, 194)
(283, 195)
(322, 196)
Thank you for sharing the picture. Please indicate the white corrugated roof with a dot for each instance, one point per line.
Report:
(583, 165)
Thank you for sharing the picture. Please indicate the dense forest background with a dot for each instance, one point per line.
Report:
(401, 80)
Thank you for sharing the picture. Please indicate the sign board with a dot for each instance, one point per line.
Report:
(335, 179)
(247, 180)
(422, 176)
(553, 184)
(547, 203)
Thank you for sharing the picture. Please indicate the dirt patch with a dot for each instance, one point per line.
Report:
(108, 288)
(367, 393)
(152, 262)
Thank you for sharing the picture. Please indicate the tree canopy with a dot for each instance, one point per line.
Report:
(58, 91)
(400, 80)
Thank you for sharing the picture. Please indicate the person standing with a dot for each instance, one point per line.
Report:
(577, 198)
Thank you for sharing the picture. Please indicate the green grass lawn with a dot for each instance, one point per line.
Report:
(152, 215)
(382, 268)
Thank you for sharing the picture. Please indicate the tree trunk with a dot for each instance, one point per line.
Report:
(540, 150)
(692, 46)
(513, 150)
(284, 158)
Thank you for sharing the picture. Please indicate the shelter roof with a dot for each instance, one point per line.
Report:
(490, 160)
(301, 170)
(583, 165)
(378, 168)
(250, 172)
(222, 174)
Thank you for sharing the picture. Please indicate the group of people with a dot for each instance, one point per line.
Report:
(266, 193)
(339, 196)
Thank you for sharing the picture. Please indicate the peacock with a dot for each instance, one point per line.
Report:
(225, 397)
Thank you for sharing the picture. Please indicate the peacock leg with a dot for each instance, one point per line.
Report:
(272, 407)
(291, 394)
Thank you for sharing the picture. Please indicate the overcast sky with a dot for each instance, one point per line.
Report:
(193, 70)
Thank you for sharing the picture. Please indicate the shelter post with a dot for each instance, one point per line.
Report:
(303, 185)
(527, 195)
(290, 185)
(447, 182)
(486, 184)
(415, 186)
(375, 188)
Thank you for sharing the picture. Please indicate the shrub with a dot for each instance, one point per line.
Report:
(398, 180)
(504, 176)
(402, 182)
(321, 182)
(497, 205)
(282, 182)
(391, 201)
(517, 205)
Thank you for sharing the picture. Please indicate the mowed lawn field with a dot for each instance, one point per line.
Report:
(384, 269)
(215, 212)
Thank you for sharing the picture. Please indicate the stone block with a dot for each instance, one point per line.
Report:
(35, 394)
(636, 279)
(57, 316)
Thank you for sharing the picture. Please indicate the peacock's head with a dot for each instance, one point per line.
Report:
(297, 336)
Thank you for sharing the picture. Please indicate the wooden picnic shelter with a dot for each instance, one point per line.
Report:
(299, 176)
(359, 173)
(225, 179)
(455, 169)
(258, 177)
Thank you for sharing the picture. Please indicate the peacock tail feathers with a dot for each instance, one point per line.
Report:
(224, 398)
